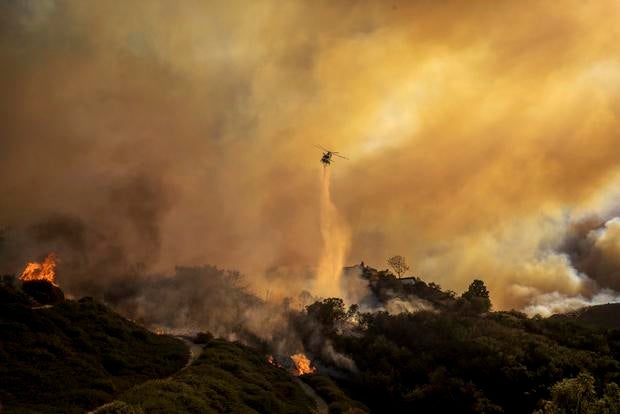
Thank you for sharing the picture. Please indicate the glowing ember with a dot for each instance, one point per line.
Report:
(41, 271)
(273, 361)
(302, 364)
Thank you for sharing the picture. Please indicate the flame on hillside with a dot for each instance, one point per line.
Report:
(45, 270)
(302, 365)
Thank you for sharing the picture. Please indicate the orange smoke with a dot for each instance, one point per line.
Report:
(302, 365)
(41, 271)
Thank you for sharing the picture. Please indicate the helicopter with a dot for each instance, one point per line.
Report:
(326, 159)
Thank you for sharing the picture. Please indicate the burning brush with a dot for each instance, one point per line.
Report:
(45, 270)
(39, 282)
(297, 364)
(302, 364)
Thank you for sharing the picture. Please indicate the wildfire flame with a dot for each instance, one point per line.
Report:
(41, 271)
(302, 365)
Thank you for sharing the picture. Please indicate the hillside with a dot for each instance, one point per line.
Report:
(74, 356)
(602, 316)
(227, 378)
(452, 354)
(412, 347)
(79, 355)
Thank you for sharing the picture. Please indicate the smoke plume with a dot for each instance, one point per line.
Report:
(140, 136)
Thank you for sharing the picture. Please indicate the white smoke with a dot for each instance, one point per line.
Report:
(411, 304)
(551, 303)
(338, 359)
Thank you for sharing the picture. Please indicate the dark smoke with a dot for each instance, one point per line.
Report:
(592, 246)
(98, 247)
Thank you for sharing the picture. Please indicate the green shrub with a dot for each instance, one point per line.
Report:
(75, 356)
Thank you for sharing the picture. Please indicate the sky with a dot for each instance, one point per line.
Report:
(482, 139)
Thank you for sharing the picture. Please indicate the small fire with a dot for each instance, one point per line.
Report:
(302, 365)
(273, 361)
(41, 271)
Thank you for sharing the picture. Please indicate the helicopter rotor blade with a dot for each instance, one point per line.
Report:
(321, 147)
(341, 156)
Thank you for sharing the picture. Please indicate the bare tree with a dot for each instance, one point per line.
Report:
(398, 264)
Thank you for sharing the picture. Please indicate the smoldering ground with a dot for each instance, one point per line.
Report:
(474, 144)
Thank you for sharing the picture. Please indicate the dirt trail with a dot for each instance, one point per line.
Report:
(321, 405)
(195, 351)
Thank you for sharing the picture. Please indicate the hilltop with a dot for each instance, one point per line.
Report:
(601, 316)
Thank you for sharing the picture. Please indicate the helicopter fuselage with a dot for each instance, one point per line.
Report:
(326, 158)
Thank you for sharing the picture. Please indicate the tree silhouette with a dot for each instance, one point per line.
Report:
(398, 264)
(478, 296)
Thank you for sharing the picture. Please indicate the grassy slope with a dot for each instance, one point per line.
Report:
(74, 356)
(227, 378)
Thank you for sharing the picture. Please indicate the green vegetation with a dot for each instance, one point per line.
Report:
(578, 395)
(460, 357)
(477, 297)
(337, 401)
(74, 356)
(457, 356)
(226, 378)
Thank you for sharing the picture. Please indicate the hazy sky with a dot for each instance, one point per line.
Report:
(482, 135)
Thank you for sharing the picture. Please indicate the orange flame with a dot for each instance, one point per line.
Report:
(302, 365)
(41, 271)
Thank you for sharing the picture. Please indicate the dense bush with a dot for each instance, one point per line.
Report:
(74, 356)
(451, 360)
